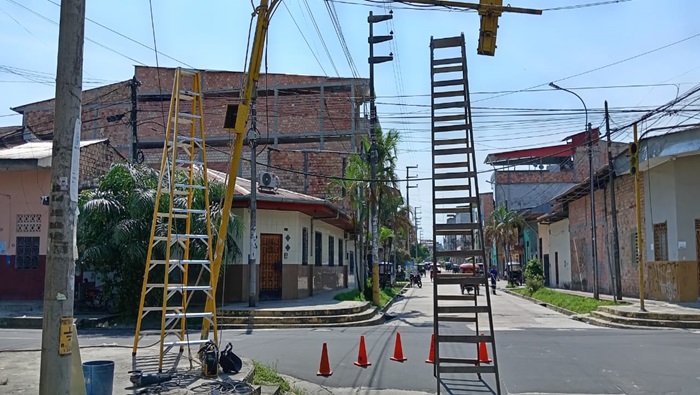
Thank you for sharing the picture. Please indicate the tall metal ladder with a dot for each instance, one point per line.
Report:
(456, 197)
(174, 232)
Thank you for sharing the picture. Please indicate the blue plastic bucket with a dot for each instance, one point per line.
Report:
(99, 377)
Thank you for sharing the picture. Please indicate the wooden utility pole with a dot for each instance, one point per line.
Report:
(56, 359)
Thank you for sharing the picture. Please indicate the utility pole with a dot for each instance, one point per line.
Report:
(594, 244)
(59, 283)
(634, 170)
(372, 60)
(613, 208)
(408, 205)
(133, 119)
(252, 256)
(416, 220)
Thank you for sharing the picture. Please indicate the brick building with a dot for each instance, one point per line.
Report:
(306, 125)
(670, 217)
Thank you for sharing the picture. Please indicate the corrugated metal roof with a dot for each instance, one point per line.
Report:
(37, 150)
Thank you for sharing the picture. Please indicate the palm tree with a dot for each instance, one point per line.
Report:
(502, 227)
(114, 228)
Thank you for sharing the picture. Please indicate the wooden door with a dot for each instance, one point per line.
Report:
(270, 266)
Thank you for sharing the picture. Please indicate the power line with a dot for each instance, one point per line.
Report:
(304, 37)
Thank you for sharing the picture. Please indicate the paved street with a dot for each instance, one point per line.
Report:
(540, 351)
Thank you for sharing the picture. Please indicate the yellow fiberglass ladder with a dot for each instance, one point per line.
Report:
(178, 288)
(457, 220)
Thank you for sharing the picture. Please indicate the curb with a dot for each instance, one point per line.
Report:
(543, 304)
(386, 307)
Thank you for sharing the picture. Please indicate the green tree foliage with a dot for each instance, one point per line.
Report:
(114, 227)
(502, 229)
(534, 275)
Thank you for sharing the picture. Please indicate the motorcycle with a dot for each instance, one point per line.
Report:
(415, 279)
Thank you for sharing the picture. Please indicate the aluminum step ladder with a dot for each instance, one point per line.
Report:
(458, 317)
(180, 245)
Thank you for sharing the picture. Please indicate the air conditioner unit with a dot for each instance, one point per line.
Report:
(267, 180)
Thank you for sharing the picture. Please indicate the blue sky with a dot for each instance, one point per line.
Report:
(532, 51)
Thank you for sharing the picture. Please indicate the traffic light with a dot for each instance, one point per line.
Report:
(489, 10)
(634, 157)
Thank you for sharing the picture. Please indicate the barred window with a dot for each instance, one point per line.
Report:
(27, 253)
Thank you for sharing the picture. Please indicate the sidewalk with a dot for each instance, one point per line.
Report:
(651, 306)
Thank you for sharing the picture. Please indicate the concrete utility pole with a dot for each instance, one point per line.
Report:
(59, 283)
(408, 205)
(634, 170)
(252, 256)
(416, 222)
(613, 208)
(372, 60)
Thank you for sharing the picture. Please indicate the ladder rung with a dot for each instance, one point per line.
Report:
(449, 69)
(438, 62)
(450, 128)
(467, 369)
(459, 253)
(188, 115)
(188, 211)
(157, 332)
(448, 83)
(185, 342)
(173, 215)
(465, 226)
(189, 186)
(176, 236)
(182, 120)
(459, 278)
(452, 176)
(447, 42)
(445, 188)
(454, 210)
(449, 118)
(454, 104)
(188, 139)
(188, 71)
(188, 162)
(205, 314)
(438, 95)
(461, 310)
(180, 287)
(463, 339)
(181, 261)
(466, 361)
(450, 141)
(457, 200)
(457, 318)
(453, 151)
(189, 93)
(456, 297)
(450, 165)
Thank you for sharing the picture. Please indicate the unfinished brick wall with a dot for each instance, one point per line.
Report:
(96, 160)
(487, 204)
(532, 176)
(306, 117)
(580, 231)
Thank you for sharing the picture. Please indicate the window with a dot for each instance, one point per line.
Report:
(28, 223)
(340, 252)
(318, 248)
(660, 242)
(304, 246)
(331, 251)
(27, 253)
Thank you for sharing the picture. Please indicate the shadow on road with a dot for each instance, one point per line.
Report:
(466, 386)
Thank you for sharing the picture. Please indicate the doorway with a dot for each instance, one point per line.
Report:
(556, 268)
(697, 248)
(546, 269)
(270, 266)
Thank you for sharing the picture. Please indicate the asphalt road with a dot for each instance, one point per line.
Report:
(539, 352)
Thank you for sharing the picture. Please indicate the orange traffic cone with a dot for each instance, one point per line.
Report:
(431, 357)
(483, 352)
(325, 368)
(398, 350)
(362, 355)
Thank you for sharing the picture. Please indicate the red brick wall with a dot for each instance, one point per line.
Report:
(297, 113)
(532, 176)
(95, 160)
(580, 231)
(487, 204)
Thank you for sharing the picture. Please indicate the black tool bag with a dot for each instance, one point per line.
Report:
(230, 362)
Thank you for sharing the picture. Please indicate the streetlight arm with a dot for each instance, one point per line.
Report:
(585, 109)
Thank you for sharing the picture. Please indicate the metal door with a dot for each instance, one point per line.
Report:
(270, 266)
